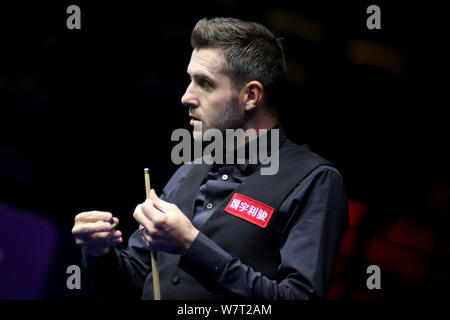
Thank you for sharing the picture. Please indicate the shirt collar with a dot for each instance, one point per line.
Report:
(249, 168)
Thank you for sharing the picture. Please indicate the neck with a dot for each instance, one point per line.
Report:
(260, 119)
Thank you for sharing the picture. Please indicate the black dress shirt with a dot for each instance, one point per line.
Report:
(308, 248)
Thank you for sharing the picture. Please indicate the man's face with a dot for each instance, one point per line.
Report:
(212, 100)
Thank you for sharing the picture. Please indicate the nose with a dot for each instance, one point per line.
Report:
(189, 98)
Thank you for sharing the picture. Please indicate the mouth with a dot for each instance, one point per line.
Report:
(194, 120)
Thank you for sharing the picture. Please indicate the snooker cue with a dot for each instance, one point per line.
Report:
(155, 272)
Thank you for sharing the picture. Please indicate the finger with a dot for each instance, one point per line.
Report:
(153, 214)
(105, 236)
(154, 233)
(114, 223)
(115, 242)
(141, 218)
(137, 214)
(149, 211)
(85, 229)
(159, 203)
(100, 239)
(145, 237)
(93, 216)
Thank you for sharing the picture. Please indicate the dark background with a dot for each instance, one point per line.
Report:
(82, 112)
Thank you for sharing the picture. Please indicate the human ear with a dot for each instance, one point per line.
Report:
(253, 93)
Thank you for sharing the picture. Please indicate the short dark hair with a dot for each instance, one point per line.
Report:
(251, 51)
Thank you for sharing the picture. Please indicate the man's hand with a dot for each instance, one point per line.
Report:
(95, 234)
(166, 227)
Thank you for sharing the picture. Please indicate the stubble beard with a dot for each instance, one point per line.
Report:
(231, 117)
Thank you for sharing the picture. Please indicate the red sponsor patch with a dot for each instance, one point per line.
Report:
(251, 210)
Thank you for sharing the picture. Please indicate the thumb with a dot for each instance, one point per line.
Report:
(157, 202)
(153, 195)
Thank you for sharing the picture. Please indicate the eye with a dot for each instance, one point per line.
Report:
(204, 83)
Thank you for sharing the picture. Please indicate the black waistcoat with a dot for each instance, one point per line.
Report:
(255, 246)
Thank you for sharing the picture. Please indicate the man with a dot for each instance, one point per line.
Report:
(225, 230)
